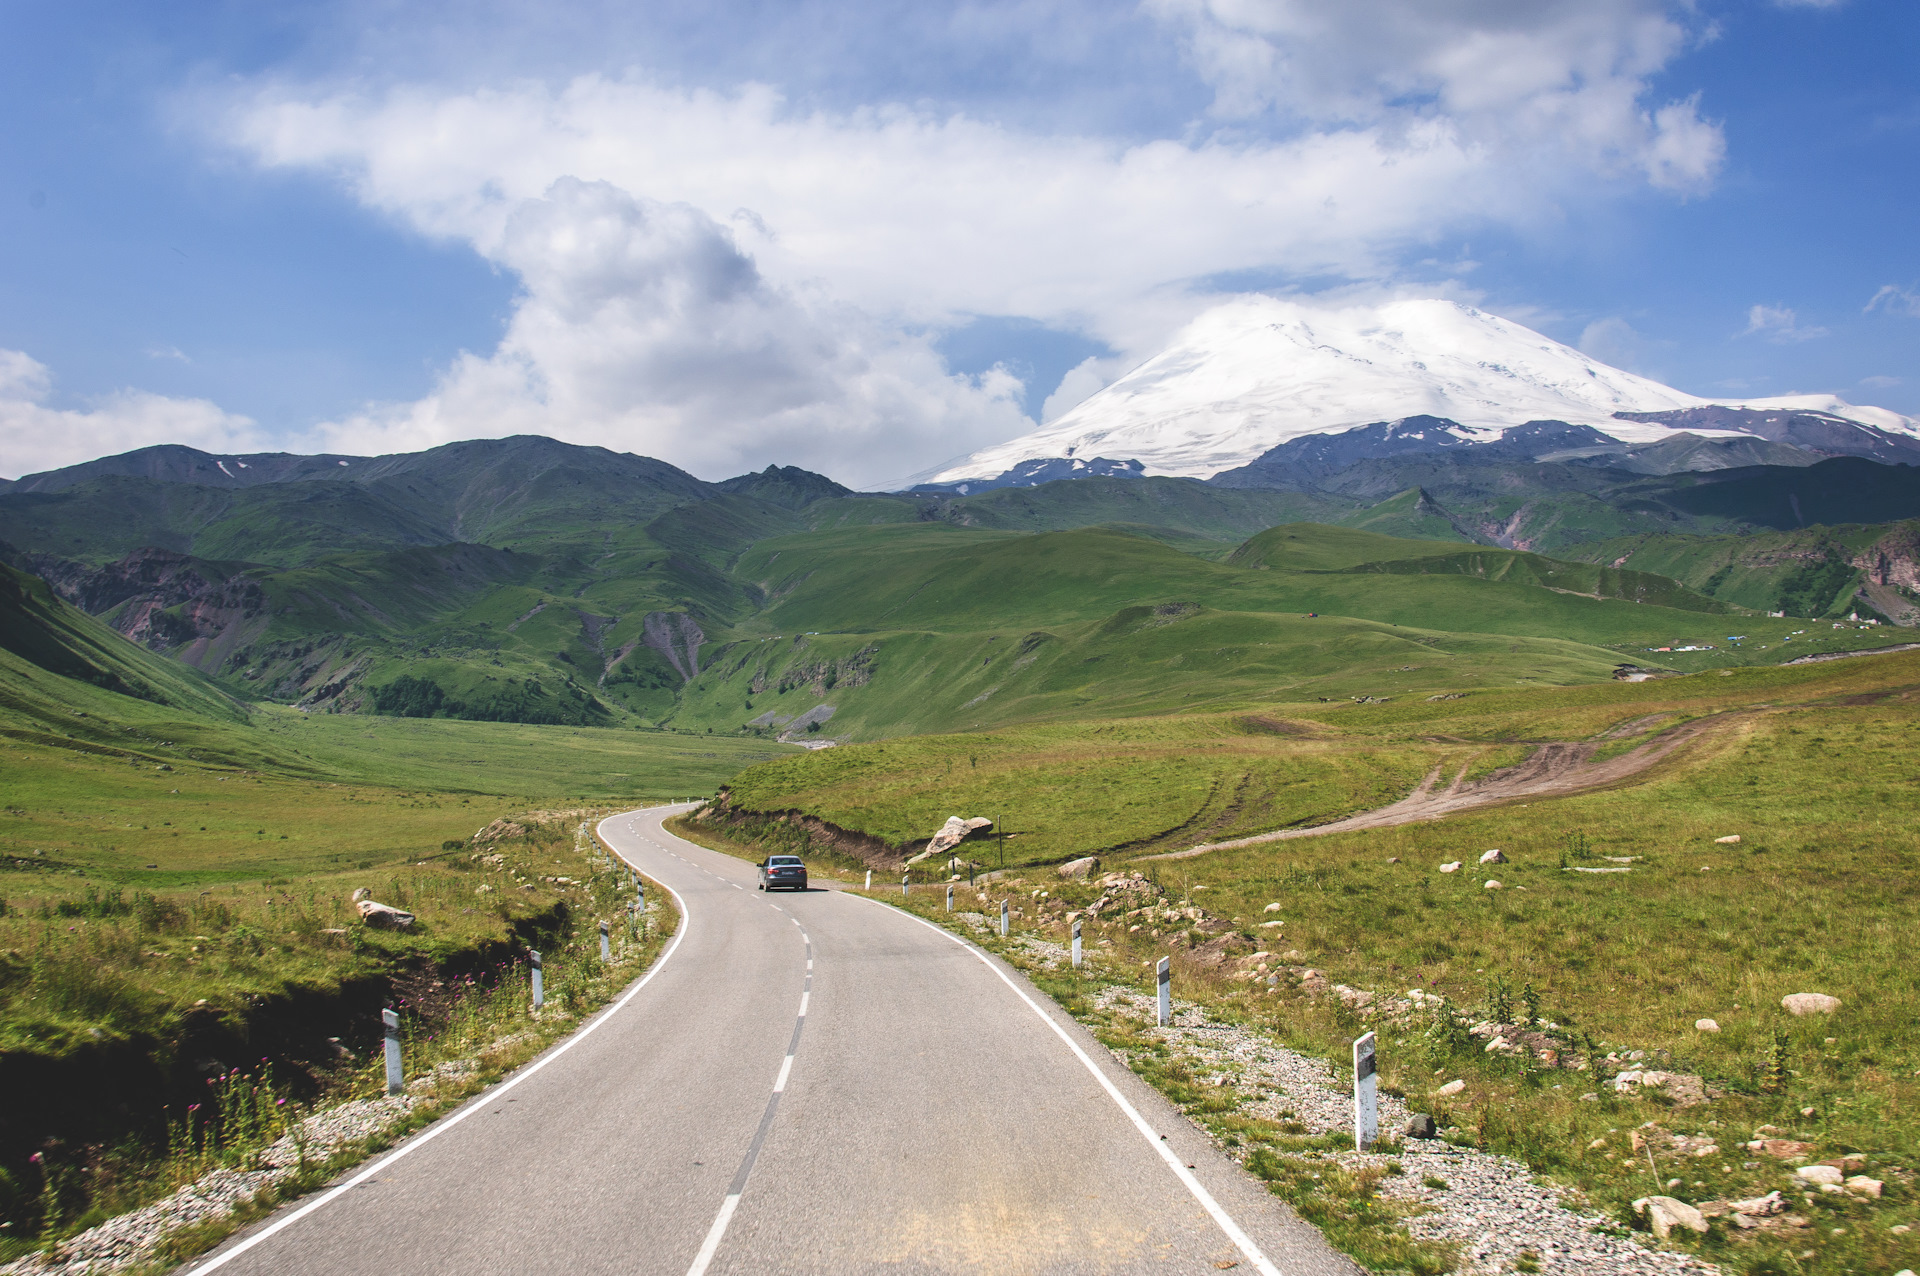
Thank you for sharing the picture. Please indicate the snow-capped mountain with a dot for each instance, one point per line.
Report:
(1256, 372)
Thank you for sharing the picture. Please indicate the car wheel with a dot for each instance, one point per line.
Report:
(762, 886)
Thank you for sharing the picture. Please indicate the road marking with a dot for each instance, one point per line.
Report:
(479, 1103)
(736, 1189)
(1221, 1218)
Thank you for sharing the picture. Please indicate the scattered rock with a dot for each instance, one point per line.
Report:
(1665, 1213)
(1732, 839)
(1761, 1206)
(499, 829)
(1705, 1025)
(1683, 1089)
(1421, 1126)
(1810, 1003)
(1819, 1174)
(1861, 1185)
(1780, 1149)
(1493, 885)
(1393, 859)
(1450, 868)
(1272, 908)
(1493, 857)
(1084, 867)
(1452, 1087)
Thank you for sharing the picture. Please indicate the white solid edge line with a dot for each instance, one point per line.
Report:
(475, 1104)
(711, 1245)
(1244, 1242)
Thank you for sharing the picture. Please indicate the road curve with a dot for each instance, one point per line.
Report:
(804, 1083)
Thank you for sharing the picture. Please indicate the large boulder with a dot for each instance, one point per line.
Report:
(1086, 866)
(380, 916)
(1810, 1003)
(951, 834)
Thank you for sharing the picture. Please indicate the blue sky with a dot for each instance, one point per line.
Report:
(868, 237)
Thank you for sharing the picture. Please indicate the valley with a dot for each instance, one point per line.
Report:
(227, 704)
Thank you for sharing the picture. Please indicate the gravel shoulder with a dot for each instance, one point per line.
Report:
(1491, 1208)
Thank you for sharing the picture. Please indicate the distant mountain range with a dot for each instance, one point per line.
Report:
(1257, 386)
(530, 580)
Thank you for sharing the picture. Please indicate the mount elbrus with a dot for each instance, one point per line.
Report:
(1250, 377)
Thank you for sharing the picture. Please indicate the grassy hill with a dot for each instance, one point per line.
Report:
(1808, 765)
(526, 580)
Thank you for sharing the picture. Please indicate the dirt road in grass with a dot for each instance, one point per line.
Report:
(1554, 770)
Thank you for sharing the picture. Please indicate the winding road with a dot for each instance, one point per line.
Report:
(804, 1083)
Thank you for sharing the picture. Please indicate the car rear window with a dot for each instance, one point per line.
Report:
(784, 861)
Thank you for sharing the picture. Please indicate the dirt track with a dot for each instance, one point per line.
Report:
(1554, 770)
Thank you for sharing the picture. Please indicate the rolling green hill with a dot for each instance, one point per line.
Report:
(527, 580)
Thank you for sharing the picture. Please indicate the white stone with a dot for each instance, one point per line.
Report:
(1272, 908)
(1864, 1186)
(1452, 1087)
(1761, 1206)
(1705, 1025)
(1732, 839)
(1819, 1174)
(1493, 857)
(1493, 885)
(1450, 868)
(383, 916)
(1665, 1213)
(1810, 1003)
(1084, 867)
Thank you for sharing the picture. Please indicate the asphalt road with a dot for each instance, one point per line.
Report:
(805, 1082)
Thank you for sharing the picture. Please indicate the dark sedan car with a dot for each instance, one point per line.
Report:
(783, 870)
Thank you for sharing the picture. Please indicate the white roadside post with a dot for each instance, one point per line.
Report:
(1366, 1095)
(1003, 919)
(869, 885)
(539, 984)
(949, 899)
(606, 952)
(1163, 974)
(905, 878)
(396, 1079)
(1076, 943)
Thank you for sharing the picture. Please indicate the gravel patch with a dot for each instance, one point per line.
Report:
(1491, 1206)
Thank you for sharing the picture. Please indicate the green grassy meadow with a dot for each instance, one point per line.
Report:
(1813, 767)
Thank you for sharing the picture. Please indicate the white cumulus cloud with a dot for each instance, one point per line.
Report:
(643, 327)
(1558, 81)
(35, 437)
(721, 276)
